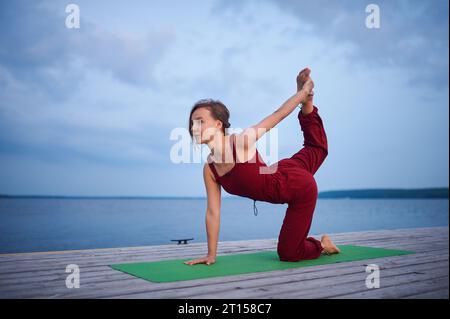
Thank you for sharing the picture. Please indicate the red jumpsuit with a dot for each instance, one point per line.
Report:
(290, 181)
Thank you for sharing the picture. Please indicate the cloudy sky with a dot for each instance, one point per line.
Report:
(90, 110)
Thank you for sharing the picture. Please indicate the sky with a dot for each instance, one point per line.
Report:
(90, 111)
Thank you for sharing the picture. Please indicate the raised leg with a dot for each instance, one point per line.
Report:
(315, 146)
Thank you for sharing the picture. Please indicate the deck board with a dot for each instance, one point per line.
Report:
(420, 275)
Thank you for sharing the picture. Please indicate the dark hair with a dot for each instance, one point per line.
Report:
(218, 111)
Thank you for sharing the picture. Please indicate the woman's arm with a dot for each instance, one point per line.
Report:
(212, 210)
(253, 133)
(212, 217)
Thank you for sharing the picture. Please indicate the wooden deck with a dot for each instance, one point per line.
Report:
(421, 275)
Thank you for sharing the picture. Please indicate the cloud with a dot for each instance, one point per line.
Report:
(37, 47)
(77, 91)
(104, 98)
(413, 35)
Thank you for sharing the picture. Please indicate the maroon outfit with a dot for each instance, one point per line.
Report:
(288, 181)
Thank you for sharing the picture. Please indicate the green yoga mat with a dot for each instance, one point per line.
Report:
(176, 270)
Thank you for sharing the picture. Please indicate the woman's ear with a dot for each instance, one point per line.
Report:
(219, 124)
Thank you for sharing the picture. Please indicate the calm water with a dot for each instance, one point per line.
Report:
(58, 224)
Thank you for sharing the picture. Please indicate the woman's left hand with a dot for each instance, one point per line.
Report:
(209, 260)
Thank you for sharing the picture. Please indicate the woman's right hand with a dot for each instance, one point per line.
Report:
(209, 260)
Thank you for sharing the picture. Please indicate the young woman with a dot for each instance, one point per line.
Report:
(245, 174)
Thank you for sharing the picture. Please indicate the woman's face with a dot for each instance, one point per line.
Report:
(204, 126)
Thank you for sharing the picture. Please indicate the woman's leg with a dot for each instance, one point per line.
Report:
(315, 149)
(293, 241)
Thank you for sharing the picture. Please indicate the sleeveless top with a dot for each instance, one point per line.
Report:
(244, 179)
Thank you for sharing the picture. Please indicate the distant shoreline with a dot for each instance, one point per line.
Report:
(441, 192)
(388, 193)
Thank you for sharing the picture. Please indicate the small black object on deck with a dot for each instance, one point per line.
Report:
(182, 241)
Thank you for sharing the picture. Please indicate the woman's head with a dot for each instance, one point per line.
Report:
(206, 118)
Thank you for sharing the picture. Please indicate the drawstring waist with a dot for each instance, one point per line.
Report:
(255, 210)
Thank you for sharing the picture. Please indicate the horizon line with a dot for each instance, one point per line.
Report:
(204, 196)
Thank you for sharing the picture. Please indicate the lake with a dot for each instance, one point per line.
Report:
(44, 224)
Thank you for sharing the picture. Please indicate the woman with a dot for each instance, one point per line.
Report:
(245, 174)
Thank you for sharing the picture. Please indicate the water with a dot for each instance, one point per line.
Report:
(44, 224)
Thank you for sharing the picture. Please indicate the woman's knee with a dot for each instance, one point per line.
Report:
(288, 254)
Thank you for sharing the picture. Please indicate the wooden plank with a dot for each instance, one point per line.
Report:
(433, 294)
(243, 244)
(56, 277)
(404, 289)
(110, 275)
(197, 250)
(170, 290)
(102, 281)
(36, 268)
(111, 284)
(50, 268)
(328, 287)
(417, 247)
(200, 250)
(372, 235)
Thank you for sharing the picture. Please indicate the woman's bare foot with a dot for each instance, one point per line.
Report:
(304, 82)
(329, 247)
(307, 103)
(302, 77)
